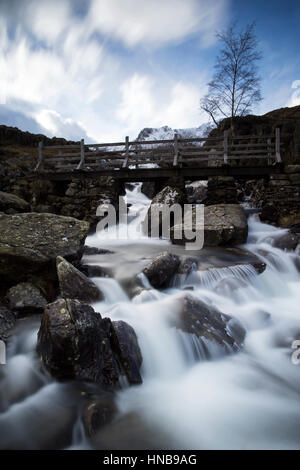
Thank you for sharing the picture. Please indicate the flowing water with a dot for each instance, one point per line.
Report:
(247, 400)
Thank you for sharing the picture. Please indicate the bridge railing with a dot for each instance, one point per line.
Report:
(174, 152)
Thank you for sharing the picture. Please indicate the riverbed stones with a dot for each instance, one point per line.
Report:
(224, 225)
(161, 269)
(74, 284)
(30, 243)
(76, 343)
(25, 298)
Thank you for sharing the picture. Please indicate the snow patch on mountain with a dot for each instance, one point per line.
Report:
(167, 133)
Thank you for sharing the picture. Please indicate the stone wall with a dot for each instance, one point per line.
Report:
(279, 198)
(77, 198)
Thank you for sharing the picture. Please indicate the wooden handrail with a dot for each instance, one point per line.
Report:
(227, 148)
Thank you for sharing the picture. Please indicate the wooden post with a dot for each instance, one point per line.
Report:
(81, 163)
(40, 162)
(175, 161)
(126, 152)
(278, 156)
(226, 147)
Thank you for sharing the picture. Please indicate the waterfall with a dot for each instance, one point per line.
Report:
(193, 394)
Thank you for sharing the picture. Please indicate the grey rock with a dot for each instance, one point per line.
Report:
(161, 269)
(74, 284)
(30, 243)
(25, 298)
(76, 343)
(224, 225)
(206, 322)
(12, 202)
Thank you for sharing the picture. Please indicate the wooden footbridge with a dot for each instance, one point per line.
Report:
(191, 159)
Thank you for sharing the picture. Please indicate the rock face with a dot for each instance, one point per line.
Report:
(224, 225)
(209, 324)
(25, 298)
(75, 285)
(11, 204)
(161, 269)
(75, 343)
(167, 197)
(7, 322)
(33, 241)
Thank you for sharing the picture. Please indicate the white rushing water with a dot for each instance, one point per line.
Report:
(247, 400)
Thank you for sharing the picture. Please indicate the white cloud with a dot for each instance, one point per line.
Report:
(157, 22)
(58, 126)
(52, 60)
(295, 98)
(145, 104)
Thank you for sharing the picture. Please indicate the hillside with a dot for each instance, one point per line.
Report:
(287, 119)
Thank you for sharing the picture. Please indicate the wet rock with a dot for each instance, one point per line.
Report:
(161, 269)
(208, 323)
(91, 270)
(98, 413)
(93, 250)
(125, 345)
(224, 225)
(7, 322)
(148, 188)
(10, 203)
(187, 265)
(164, 199)
(74, 342)
(25, 298)
(74, 284)
(30, 243)
(288, 241)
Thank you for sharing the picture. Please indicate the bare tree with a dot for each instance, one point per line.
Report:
(235, 86)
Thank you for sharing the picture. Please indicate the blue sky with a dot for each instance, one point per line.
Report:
(103, 69)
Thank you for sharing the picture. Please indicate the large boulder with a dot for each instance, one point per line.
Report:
(164, 199)
(30, 243)
(7, 322)
(224, 225)
(161, 269)
(75, 343)
(10, 203)
(209, 325)
(74, 284)
(25, 298)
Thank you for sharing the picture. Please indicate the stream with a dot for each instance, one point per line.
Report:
(247, 400)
